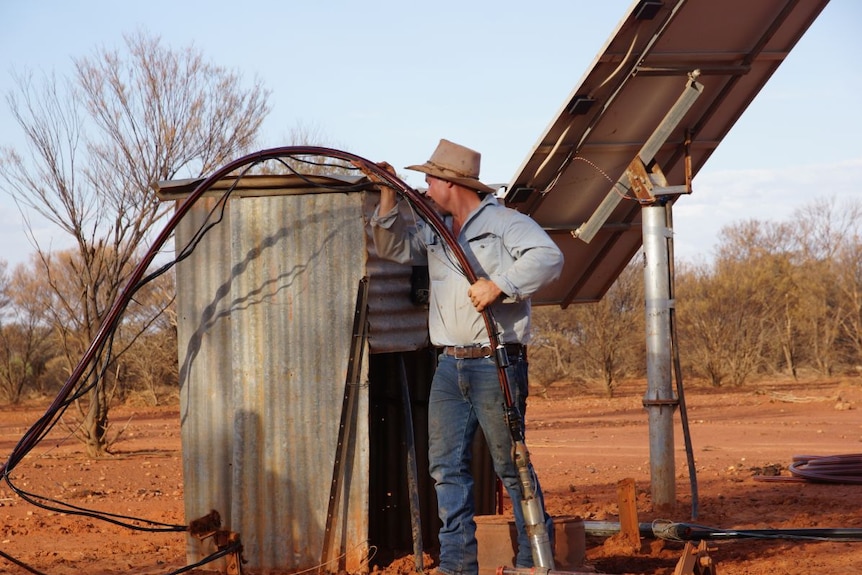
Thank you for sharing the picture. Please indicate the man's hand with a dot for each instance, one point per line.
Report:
(387, 194)
(483, 293)
(362, 167)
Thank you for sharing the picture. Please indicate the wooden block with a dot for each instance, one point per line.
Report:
(627, 500)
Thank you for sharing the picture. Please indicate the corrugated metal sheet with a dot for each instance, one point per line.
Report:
(266, 305)
(203, 332)
(396, 324)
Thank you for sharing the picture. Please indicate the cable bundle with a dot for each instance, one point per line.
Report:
(828, 468)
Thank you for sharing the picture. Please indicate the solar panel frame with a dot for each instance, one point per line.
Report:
(734, 45)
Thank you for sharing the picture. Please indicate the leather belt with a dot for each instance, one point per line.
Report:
(479, 351)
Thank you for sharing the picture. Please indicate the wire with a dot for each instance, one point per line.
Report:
(20, 564)
(692, 531)
(677, 365)
(590, 94)
(232, 548)
(91, 378)
(72, 391)
(550, 155)
(69, 509)
(94, 372)
(454, 264)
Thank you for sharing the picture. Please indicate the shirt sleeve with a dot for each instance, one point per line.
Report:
(395, 240)
(537, 261)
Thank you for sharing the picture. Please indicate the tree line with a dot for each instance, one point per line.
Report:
(777, 299)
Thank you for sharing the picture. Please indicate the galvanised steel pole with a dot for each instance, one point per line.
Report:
(659, 400)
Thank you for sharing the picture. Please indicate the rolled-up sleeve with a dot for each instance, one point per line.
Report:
(395, 240)
(537, 260)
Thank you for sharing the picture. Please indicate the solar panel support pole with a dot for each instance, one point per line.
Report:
(659, 400)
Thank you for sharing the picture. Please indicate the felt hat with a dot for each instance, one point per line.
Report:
(455, 163)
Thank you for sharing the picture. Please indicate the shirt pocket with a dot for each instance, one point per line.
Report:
(437, 263)
(487, 253)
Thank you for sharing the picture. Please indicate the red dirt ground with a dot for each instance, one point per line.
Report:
(582, 445)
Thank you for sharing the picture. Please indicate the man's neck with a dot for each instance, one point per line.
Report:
(466, 202)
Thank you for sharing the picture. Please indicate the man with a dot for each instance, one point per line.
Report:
(513, 257)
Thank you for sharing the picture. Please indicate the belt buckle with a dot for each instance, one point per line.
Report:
(462, 351)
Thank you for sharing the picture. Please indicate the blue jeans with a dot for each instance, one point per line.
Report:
(465, 394)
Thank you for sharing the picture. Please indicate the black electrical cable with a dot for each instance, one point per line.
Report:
(694, 532)
(94, 355)
(20, 564)
(208, 223)
(103, 358)
(227, 550)
(68, 508)
(677, 367)
(672, 531)
(232, 548)
(92, 376)
(38, 431)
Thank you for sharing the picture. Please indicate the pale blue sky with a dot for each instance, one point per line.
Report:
(388, 79)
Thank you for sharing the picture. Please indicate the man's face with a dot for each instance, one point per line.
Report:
(439, 192)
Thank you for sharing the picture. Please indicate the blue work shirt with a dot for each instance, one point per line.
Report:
(501, 244)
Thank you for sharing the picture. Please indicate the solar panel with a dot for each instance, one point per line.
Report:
(701, 62)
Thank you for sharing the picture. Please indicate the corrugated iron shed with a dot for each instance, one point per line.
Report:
(266, 302)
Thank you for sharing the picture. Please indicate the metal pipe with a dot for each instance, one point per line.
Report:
(537, 571)
(611, 528)
(659, 400)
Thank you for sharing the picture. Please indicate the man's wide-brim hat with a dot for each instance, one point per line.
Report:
(455, 163)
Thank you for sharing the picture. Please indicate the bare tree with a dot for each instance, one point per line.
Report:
(766, 252)
(727, 315)
(614, 330)
(97, 143)
(826, 235)
(600, 341)
(698, 326)
(25, 335)
(11, 384)
(150, 363)
(849, 261)
(4, 289)
(554, 347)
